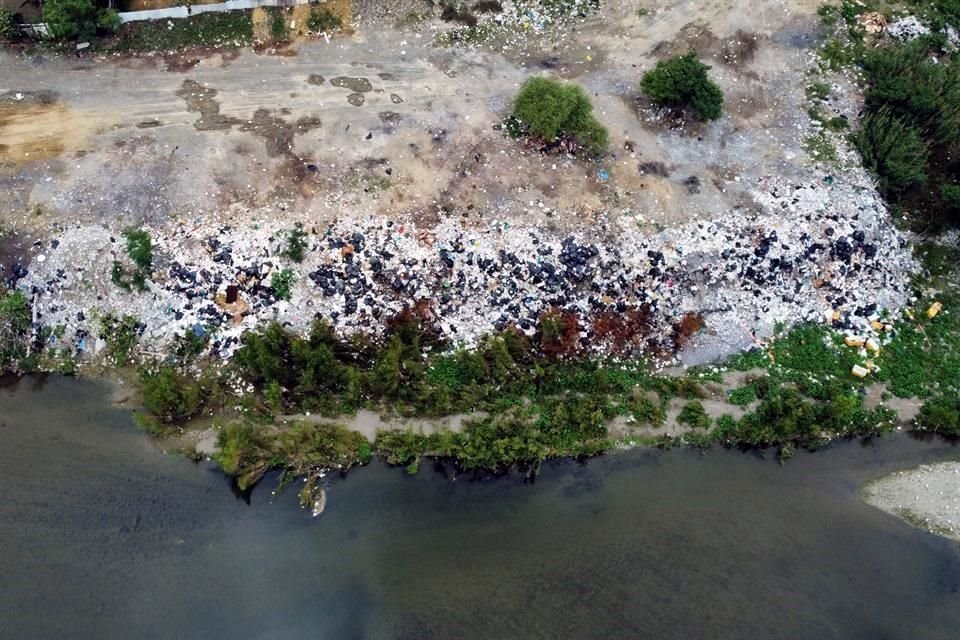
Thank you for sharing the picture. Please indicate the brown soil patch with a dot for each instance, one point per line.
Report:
(40, 128)
(734, 51)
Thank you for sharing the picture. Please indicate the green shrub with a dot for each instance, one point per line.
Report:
(8, 25)
(171, 397)
(246, 452)
(554, 110)
(14, 327)
(682, 81)
(108, 21)
(694, 415)
(950, 193)
(940, 415)
(645, 411)
(893, 150)
(321, 20)
(743, 395)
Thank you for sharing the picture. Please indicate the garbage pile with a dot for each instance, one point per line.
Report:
(824, 251)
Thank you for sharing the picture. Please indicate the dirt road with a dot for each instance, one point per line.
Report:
(384, 121)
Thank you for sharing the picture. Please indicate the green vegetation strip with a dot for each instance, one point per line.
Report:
(536, 405)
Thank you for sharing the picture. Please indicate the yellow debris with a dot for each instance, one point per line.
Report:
(877, 325)
(853, 341)
(934, 309)
(859, 371)
(873, 345)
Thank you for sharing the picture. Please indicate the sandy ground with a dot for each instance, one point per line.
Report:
(927, 497)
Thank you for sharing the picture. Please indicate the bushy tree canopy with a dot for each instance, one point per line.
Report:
(683, 81)
(551, 109)
(78, 19)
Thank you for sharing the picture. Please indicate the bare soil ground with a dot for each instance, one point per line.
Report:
(400, 127)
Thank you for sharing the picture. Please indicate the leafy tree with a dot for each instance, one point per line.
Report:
(893, 150)
(553, 110)
(78, 19)
(683, 81)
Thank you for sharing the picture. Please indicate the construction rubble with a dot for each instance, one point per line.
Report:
(821, 251)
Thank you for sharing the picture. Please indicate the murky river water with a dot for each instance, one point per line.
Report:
(103, 536)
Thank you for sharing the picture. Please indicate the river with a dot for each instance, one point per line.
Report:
(104, 536)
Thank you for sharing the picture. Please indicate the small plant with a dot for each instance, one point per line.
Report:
(281, 281)
(694, 415)
(296, 243)
(555, 111)
(140, 252)
(683, 81)
(321, 20)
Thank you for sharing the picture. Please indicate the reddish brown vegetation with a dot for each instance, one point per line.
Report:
(559, 333)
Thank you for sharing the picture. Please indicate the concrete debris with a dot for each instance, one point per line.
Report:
(816, 246)
(907, 28)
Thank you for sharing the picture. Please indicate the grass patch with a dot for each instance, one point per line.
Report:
(227, 29)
